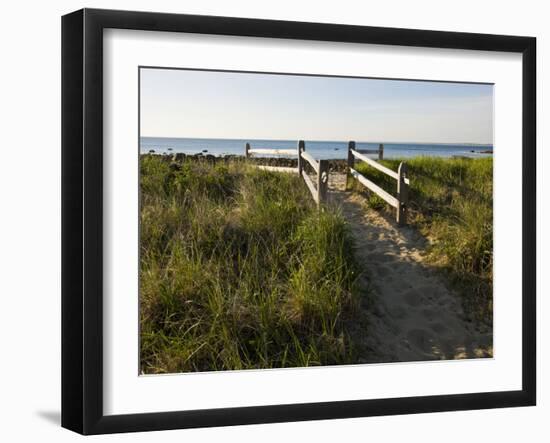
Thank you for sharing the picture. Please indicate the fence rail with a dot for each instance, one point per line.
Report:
(400, 202)
(249, 152)
(390, 199)
(278, 169)
(319, 187)
(379, 151)
(307, 156)
(318, 190)
(272, 151)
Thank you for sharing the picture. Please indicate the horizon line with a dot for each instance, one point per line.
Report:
(320, 140)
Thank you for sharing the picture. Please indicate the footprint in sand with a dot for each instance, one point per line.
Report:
(382, 271)
(429, 314)
(373, 236)
(398, 312)
(378, 257)
(439, 328)
(430, 292)
(412, 297)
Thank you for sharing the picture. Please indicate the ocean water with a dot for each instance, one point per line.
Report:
(319, 149)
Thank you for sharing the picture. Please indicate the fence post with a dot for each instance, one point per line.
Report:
(322, 182)
(381, 152)
(301, 148)
(351, 162)
(246, 148)
(402, 194)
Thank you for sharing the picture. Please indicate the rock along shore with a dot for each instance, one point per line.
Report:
(335, 165)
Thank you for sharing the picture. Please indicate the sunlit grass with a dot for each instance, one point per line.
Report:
(239, 270)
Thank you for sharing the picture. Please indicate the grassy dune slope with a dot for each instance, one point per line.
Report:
(238, 270)
(452, 204)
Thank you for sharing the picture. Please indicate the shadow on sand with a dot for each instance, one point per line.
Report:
(413, 313)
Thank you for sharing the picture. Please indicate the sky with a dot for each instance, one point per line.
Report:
(214, 104)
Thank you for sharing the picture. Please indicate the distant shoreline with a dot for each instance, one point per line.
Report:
(319, 149)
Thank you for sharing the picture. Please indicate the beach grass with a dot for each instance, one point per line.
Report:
(451, 203)
(238, 270)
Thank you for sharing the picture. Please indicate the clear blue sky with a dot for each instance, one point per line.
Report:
(181, 103)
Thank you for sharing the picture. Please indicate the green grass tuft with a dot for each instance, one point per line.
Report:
(239, 270)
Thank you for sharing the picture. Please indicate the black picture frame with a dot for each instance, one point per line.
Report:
(82, 218)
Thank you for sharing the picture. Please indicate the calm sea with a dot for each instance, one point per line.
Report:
(319, 149)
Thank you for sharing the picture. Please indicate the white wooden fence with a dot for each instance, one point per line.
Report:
(319, 188)
(400, 202)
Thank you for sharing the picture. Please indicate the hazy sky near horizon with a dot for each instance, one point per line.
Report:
(204, 104)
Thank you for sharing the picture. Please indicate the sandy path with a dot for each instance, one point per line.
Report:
(412, 315)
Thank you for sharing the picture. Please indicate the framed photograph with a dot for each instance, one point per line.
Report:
(268, 221)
